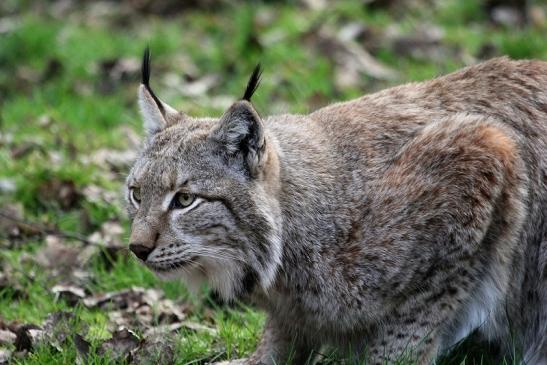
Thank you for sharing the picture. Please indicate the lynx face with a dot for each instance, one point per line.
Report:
(199, 198)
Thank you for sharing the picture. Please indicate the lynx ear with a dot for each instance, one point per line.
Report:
(241, 132)
(156, 114)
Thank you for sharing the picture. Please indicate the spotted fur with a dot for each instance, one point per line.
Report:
(391, 225)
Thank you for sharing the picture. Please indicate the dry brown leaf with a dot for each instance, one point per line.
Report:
(116, 160)
(191, 87)
(127, 298)
(195, 326)
(120, 346)
(110, 235)
(9, 24)
(424, 43)
(5, 356)
(169, 312)
(137, 308)
(97, 194)
(159, 350)
(123, 318)
(231, 362)
(56, 254)
(55, 331)
(27, 336)
(7, 186)
(120, 68)
(112, 72)
(509, 16)
(70, 293)
(156, 331)
(7, 337)
(538, 16)
(10, 283)
(12, 222)
(64, 192)
(53, 68)
(350, 58)
(82, 349)
(58, 328)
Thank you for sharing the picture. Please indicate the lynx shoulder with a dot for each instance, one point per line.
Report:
(390, 226)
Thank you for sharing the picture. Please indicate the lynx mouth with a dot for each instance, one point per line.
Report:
(170, 266)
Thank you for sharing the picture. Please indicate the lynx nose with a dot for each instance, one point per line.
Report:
(141, 251)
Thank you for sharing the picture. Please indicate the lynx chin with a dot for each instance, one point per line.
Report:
(394, 225)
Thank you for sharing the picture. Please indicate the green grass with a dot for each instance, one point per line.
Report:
(89, 112)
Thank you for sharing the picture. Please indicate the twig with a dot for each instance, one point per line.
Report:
(36, 227)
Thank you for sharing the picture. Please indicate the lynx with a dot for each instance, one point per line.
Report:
(391, 226)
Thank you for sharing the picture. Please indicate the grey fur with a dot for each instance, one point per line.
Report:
(390, 225)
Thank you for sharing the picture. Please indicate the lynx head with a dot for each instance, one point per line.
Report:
(202, 196)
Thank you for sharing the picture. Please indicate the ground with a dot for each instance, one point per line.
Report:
(69, 129)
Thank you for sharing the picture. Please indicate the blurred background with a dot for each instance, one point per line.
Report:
(69, 130)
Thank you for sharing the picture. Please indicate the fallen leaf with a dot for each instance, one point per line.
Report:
(170, 7)
(11, 285)
(44, 121)
(193, 87)
(58, 255)
(169, 312)
(381, 4)
(109, 235)
(11, 216)
(138, 308)
(28, 75)
(8, 24)
(350, 58)
(69, 293)
(58, 328)
(231, 362)
(425, 43)
(118, 161)
(53, 68)
(315, 4)
(120, 345)
(487, 50)
(23, 149)
(509, 16)
(162, 330)
(538, 16)
(116, 70)
(7, 337)
(195, 326)
(64, 192)
(127, 298)
(5, 356)
(26, 337)
(158, 350)
(97, 194)
(109, 244)
(7, 186)
(82, 349)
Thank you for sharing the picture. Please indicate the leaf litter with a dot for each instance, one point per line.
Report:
(131, 311)
(134, 310)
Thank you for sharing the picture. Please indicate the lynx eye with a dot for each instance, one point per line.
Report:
(182, 200)
(136, 195)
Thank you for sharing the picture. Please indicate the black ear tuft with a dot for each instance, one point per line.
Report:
(146, 67)
(146, 77)
(253, 83)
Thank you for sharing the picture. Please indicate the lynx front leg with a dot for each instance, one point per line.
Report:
(279, 347)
